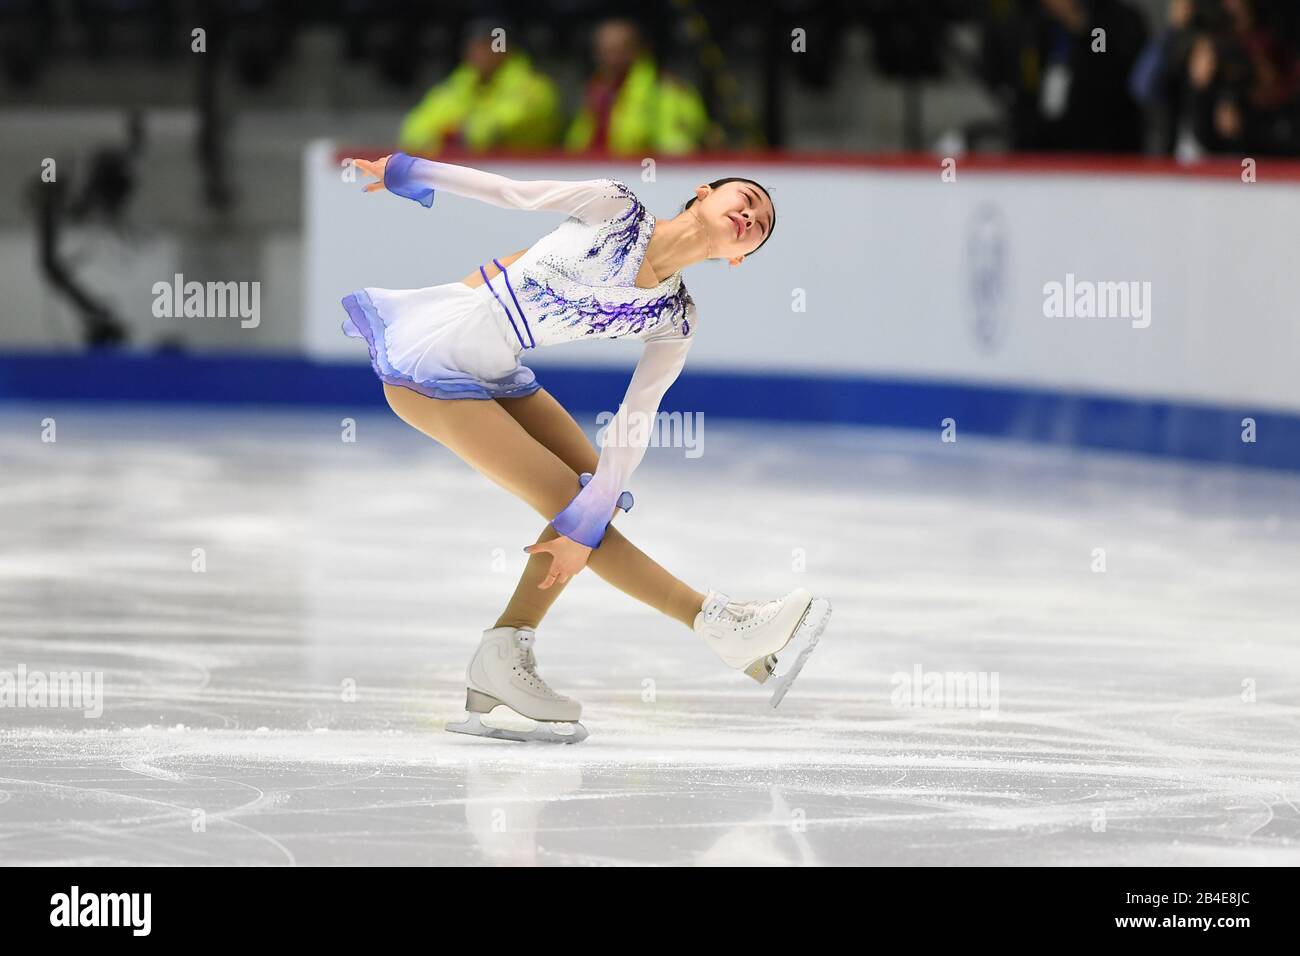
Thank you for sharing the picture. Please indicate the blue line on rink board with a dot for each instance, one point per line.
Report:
(1179, 430)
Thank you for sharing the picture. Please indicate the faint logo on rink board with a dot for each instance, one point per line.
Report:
(986, 275)
(179, 299)
(645, 430)
(73, 690)
(946, 690)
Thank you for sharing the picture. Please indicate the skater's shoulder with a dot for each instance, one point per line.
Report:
(619, 194)
(620, 190)
(607, 199)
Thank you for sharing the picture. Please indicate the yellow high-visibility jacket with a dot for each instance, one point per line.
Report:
(517, 108)
(650, 114)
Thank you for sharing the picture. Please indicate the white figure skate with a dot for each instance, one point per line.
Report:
(748, 635)
(503, 673)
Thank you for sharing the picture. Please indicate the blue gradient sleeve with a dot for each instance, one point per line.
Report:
(590, 512)
(400, 179)
(625, 500)
(624, 443)
(589, 200)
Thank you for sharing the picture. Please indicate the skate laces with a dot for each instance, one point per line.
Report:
(742, 612)
(721, 609)
(528, 661)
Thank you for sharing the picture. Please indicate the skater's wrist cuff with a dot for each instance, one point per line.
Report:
(399, 179)
(589, 513)
(625, 500)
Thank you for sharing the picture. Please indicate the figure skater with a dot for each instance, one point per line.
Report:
(448, 356)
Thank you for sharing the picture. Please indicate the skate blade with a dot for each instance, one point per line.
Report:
(809, 631)
(556, 732)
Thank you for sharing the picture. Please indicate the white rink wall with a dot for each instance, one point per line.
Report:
(901, 275)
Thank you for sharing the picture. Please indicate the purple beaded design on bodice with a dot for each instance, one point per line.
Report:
(583, 281)
(604, 318)
(619, 242)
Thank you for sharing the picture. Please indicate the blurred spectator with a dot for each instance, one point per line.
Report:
(493, 99)
(1159, 80)
(1064, 91)
(1241, 80)
(630, 107)
(104, 195)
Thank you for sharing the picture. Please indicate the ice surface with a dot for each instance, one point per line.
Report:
(284, 706)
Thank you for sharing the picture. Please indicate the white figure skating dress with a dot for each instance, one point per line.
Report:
(454, 342)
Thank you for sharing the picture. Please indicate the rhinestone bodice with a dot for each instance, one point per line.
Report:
(579, 281)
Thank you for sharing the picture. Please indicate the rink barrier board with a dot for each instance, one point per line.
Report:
(1062, 419)
(1268, 168)
(953, 278)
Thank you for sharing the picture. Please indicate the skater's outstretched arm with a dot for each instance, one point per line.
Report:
(626, 438)
(419, 179)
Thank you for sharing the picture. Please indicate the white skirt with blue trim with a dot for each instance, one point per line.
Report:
(444, 341)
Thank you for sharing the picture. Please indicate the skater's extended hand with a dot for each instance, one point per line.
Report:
(568, 557)
(374, 168)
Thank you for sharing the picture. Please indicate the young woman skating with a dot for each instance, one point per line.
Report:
(448, 356)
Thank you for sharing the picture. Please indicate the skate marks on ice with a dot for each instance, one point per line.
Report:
(286, 705)
(700, 778)
(394, 798)
(282, 798)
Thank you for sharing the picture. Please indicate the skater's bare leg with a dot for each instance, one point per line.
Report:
(617, 560)
(632, 571)
(529, 603)
(489, 439)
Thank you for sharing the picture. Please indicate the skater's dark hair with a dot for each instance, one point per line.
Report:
(741, 179)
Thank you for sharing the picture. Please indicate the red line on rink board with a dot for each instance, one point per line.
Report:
(1267, 168)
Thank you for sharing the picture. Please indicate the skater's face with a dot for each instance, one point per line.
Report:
(738, 215)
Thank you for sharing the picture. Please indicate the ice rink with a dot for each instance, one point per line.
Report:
(282, 619)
